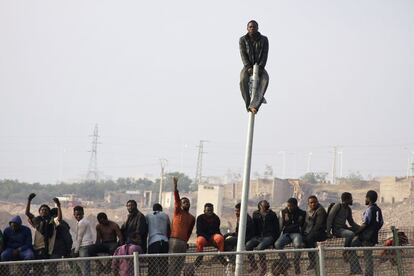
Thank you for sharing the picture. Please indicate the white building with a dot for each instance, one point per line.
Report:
(210, 194)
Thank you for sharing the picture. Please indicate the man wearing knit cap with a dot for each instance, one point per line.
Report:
(292, 220)
(367, 235)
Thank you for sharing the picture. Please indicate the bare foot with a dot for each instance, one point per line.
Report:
(253, 110)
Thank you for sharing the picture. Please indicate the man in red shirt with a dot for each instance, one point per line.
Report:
(182, 227)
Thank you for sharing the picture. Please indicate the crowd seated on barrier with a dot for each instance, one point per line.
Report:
(154, 234)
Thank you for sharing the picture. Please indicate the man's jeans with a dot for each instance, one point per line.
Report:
(353, 258)
(285, 239)
(348, 235)
(260, 243)
(85, 266)
(158, 266)
(261, 90)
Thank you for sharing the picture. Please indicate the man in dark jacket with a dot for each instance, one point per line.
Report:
(367, 235)
(208, 229)
(266, 231)
(230, 239)
(208, 232)
(63, 242)
(314, 228)
(1, 242)
(254, 48)
(17, 241)
(338, 217)
(135, 222)
(292, 220)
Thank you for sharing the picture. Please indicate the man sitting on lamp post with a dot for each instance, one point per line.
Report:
(254, 48)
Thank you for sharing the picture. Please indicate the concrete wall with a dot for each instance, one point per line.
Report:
(210, 194)
(394, 190)
(282, 191)
(276, 191)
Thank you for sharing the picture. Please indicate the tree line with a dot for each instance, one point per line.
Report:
(16, 191)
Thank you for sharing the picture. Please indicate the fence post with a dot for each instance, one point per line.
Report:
(321, 253)
(136, 264)
(398, 253)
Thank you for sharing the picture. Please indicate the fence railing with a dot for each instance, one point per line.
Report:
(379, 260)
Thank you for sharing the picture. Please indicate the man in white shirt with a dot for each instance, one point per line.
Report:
(159, 231)
(83, 239)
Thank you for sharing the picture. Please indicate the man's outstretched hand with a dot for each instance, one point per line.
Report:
(31, 196)
(175, 181)
(56, 200)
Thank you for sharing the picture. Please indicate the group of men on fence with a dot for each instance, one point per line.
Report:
(153, 233)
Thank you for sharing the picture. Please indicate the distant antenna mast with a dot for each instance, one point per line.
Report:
(199, 170)
(334, 165)
(163, 163)
(93, 162)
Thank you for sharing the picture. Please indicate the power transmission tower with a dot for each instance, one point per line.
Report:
(199, 170)
(93, 173)
(163, 163)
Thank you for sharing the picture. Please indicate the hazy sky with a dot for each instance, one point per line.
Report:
(158, 76)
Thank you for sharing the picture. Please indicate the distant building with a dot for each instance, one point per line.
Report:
(275, 190)
(394, 189)
(210, 194)
(144, 199)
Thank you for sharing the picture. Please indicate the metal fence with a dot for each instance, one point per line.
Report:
(323, 260)
(330, 258)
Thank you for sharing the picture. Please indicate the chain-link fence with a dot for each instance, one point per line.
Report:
(109, 265)
(378, 260)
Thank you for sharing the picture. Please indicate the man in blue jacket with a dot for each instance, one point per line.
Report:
(17, 241)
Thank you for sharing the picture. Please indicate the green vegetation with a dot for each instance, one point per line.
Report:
(15, 191)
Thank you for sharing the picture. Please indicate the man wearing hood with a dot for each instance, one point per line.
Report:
(292, 220)
(314, 228)
(254, 48)
(135, 222)
(44, 225)
(17, 241)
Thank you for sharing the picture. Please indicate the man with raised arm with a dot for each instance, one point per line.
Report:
(182, 227)
(45, 228)
(254, 48)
